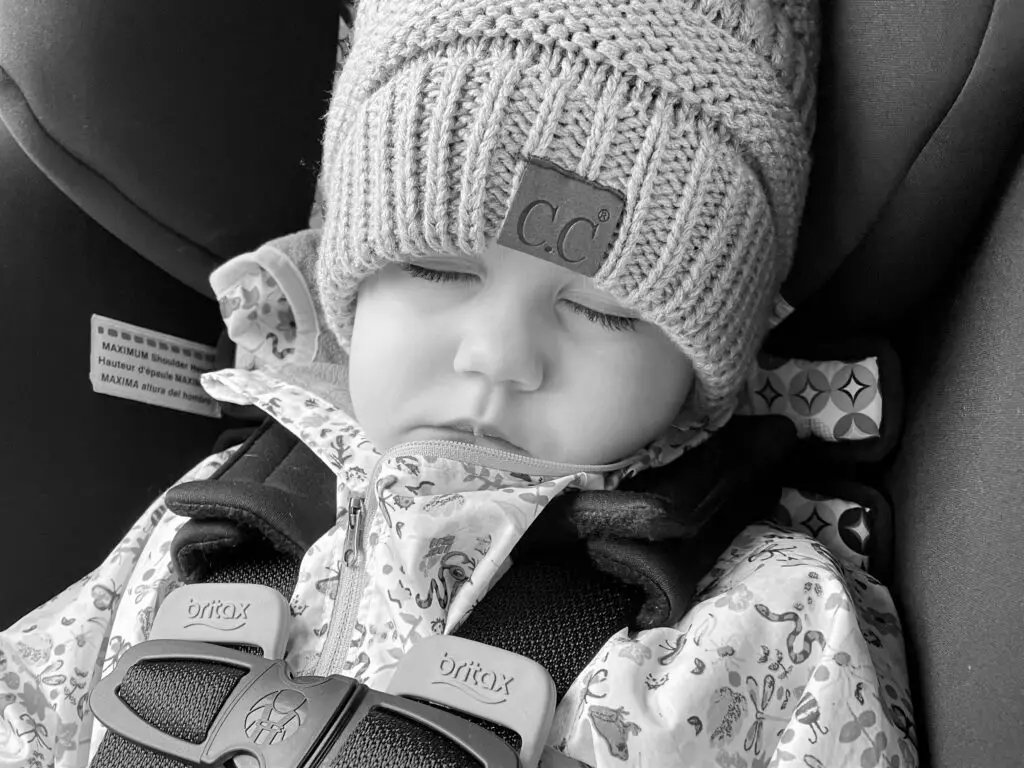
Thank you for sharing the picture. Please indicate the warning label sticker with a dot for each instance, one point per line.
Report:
(150, 367)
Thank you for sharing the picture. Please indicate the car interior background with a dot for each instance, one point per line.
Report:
(142, 144)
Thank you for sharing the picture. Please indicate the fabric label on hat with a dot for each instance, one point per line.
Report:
(563, 218)
(138, 364)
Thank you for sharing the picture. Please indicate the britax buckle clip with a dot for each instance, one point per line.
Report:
(280, 721)
(228, 614)
(501, 687)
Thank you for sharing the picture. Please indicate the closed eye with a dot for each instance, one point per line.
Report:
(436, 275)
(611, 322)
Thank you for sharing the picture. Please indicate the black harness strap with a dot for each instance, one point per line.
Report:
(225, 546)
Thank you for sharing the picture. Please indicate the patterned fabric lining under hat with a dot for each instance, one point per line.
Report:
(699, 114)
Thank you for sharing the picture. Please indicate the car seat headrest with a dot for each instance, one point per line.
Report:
(190, 135)
(920, 108)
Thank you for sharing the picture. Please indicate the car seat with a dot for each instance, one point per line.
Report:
(140, 146)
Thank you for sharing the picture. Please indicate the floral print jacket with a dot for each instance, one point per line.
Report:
(790, 656)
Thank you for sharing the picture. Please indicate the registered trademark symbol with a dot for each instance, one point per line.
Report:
(603, 215)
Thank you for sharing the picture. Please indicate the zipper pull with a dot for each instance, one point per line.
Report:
(353, 542)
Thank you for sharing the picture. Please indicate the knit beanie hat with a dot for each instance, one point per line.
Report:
(658, 146)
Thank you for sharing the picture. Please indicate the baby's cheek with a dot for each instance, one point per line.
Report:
(643, 394)
(375, 361)
(593, 420)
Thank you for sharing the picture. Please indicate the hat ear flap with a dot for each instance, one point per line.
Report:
(270, 304)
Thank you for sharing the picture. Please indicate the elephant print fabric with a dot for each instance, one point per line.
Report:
(788, 657)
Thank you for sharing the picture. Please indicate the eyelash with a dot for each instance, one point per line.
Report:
(611, 322)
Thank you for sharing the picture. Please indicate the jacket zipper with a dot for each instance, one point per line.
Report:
(353, 579)
(494, 458)
(353, 543)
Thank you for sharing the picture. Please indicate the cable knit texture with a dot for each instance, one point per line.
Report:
(699, 112)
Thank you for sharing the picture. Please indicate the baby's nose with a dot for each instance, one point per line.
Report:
(504, 345)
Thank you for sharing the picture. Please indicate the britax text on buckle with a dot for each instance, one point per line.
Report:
(229, 614)
(482, 680)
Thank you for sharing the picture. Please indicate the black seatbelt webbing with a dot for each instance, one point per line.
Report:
(251, 523)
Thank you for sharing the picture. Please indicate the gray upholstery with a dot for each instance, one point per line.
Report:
(958, 488)
(131, 134)
(77, 468)
(190, 129)
(920, 107)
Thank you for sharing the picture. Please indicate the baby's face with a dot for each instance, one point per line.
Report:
(524, 349)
